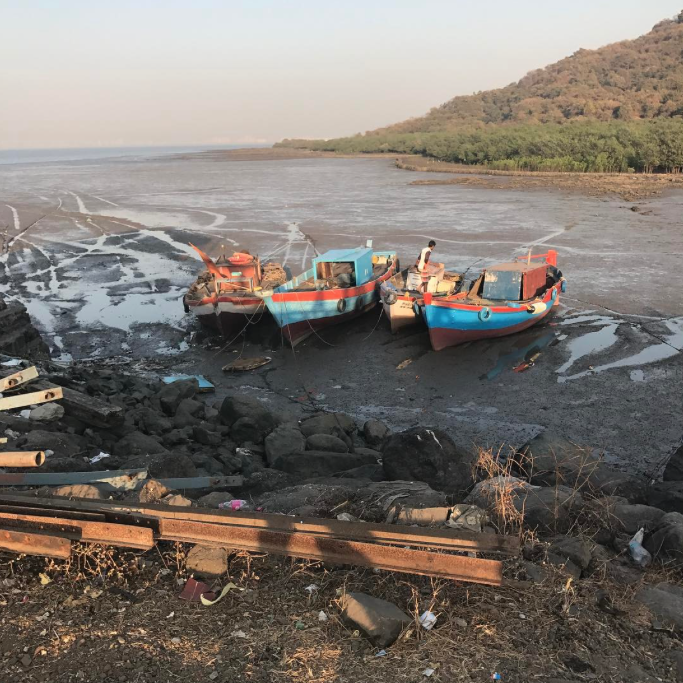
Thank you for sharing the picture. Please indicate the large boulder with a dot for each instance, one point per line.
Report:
(667, 496)
(250, 430)
(375, 432)
(47, 412)
(137, 443)
(310, 464)
(283, 441)
(171, 395)
(61, 444)
(380, 621)
(428, 455)
(328, 423)
(666, 539)
(665, 602)
(629, 518)
(326, 442)
(164, 465)
(153, 422)
(235, 407)
(674, 468)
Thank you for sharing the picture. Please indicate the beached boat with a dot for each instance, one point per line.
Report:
(504, 299)
(400, 293)
(340, 285)
(231, 292)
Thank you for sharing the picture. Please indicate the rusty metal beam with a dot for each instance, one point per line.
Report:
(85, 531)
(447, 539)
(22, 458)
(34, 544)
(112, 479)
(390, 558)
(18, 378)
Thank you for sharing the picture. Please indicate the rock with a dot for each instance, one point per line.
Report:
(368, 451)
(291, 499)
(535, 573)
(391, 494)
(630, 518)
(311, 464)
(247, 429)
(177, 500)
(165, 465)
(572, 552)
(137, 443)
(665, 602)
(428, 455)
(47, 412)
(176, 437)
(151, 491)
(263, 481)
(381, 621)
(214, 499)
(375, 432)
(18, 336)
(152, 422)
(207, 561)
(235, 407)
(326, 442)
(368, 472)
(282, 441)
(666, 539)
(63, 445)
(667, 496)
(674, 468)
(208, 438)
(170, 396)
(467, 517)
(79, 491)
(328, 423)
(677, 661)
(191, 407)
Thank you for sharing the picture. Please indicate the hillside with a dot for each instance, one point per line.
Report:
(615, 109)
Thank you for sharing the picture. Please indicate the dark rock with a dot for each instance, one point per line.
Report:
(18, 336)
(183, 419)
(79, 491)
(152, 422)
(263, 481)
(428, 455)
(55, 464)
(138, 443)
(677, 661)
(368, 451)
(151, 491)
(19, 424)
(320, 463)
(170, 396)
(214, 499)
(414, 494)
(667, 496)
(208, 438)
(326, 442)
(328, 423)
(250, 462)
(282, 441)
(535, 573)
(292, 499)
(674, 468)
(572, 551)
(164, 465)
(367, 472)
(665, 602)
(192, 407)
(666, 539)
(207, 561)
(235, 407)
(249, 429)
(47, 412)
(63, 445)
(381, 621)
(375, 432)
(630, 518)
(176, 437)
(231, 462)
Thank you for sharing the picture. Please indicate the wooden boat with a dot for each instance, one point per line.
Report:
(504, 299)
(401, 293)
(340, 285)
(232, 290)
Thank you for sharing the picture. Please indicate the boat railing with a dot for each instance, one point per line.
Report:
(550, 256)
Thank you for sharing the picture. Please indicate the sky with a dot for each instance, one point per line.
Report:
(108, 73)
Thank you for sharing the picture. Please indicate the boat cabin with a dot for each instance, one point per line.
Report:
(240, 271)
(517, 281)
(345, 267)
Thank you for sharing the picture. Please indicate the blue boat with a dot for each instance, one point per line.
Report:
(341, 285)
(504, 299)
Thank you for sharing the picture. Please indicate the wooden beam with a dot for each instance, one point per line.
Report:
(18, 378)
(34, 544)
(22, 400)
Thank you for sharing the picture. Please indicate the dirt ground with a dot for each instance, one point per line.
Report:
(117, 617)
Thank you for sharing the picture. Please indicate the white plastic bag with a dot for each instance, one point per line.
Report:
(640, 556)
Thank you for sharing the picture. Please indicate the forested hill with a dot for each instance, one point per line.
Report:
(630, 80)
(615, 109)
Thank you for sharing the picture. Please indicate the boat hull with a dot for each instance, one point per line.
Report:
(452, 323)
(401, 313)
(227, 315)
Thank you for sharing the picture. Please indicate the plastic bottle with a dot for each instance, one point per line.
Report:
(640, 556)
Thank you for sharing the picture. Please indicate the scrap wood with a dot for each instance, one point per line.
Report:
(18, 378)
(33, 398)
(3, 439)
(115, 479)
(245, 364)
(22, 458)
(34, 544)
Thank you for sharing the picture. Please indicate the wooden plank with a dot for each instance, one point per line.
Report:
(121, 535)
(88, 409)
(3, 439)
(35, 397)
(110, 479)
(452, 539)
(18, 378)
(34, 544)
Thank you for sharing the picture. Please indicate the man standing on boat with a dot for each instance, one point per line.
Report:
(428, 268)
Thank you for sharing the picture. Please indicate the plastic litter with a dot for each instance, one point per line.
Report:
(25, 414)
(381, 653)
(207, 601)
(234, 505)
(346, 517)
(100, 456)
(11, 363)
(640, 556)
(496, 677)
(322, 616)
(204, 384)
(239, 634)
(312, 588)
(427, 620)
(428, 672)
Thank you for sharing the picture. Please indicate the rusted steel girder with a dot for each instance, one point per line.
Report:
(85, 531)
(391, 558)
(446, 539)
(34, 544)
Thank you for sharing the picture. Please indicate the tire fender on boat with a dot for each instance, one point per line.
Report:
(537, 307)
(360, 303)
(553, 294)
(484, 314)
(341, 305)
(390, 298)
(563, 286)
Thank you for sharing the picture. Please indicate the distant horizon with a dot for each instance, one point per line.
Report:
(80, 75)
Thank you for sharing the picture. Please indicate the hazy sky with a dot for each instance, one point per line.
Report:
(113, 73)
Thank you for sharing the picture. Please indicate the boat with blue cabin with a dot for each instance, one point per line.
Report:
(504, 299)
(341, 284)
